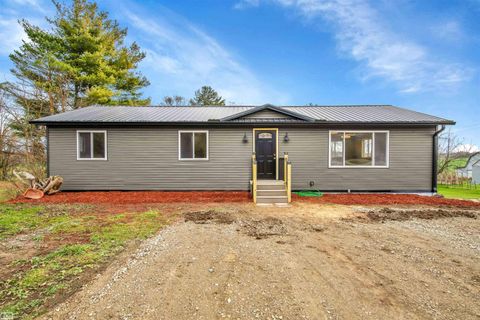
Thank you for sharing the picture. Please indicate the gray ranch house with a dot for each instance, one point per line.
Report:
(269, 150)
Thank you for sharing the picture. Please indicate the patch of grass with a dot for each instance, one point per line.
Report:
(16, 219)
(51, 290)
(17, 308)
(69, 225)
(33, 278)
(20, 218)
(46, 276)
(457, 192)
(138, 226)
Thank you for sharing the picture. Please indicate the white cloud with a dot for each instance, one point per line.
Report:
(33, 5)
(361, 33)
(246, 4)
(467, 148)
(181, 58)
(11, 35)
(448, 30)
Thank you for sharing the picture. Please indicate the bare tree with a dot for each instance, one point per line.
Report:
(8, 143)
(449, 149)
(20, 107)
(174, 101)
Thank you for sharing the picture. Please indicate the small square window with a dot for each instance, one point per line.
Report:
(91, 145)
(193, 145)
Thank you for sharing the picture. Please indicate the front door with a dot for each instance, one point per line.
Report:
(266, 153)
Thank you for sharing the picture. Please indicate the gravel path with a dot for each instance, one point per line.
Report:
(264, 266)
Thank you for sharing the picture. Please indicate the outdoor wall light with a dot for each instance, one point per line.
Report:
(286, 138)
(245, 139)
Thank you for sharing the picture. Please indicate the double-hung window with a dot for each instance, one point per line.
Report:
(91, 145)
(359, 149)
(193, 145)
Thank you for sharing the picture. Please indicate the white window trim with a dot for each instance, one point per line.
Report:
(373, 149)
(91, 144)
(193, 145)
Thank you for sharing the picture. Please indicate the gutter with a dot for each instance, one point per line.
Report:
(235, 124)
(435, 158)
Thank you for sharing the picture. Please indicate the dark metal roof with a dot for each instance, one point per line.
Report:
(122, 115)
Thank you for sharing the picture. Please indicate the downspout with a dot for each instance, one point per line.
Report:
(435, 158)
(47, 145)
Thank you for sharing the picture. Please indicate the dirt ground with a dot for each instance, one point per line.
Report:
(307, 261)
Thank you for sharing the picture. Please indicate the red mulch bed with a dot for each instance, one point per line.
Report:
(140, 197)
(135, 197)
(386, 199)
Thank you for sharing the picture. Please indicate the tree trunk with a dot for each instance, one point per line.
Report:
(75, 96)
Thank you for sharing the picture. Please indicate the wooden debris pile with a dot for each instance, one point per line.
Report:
(37, 188)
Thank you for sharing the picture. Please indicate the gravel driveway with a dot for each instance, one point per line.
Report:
(302, 262)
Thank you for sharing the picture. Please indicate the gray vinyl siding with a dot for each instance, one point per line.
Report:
(266, 114)
(147, 159)
(410, 162)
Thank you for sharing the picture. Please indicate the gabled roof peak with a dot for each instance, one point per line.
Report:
(273, 108)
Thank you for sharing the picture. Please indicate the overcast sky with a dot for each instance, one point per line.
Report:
(423, 55)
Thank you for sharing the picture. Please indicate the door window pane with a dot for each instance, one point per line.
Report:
(265, 135)
(186, 145)
(84, 145)
(200, 145)
(98, 145)
(336, 152)
(358, 151)
(380, 149)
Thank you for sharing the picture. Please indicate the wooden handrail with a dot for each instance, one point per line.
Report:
(289, 181)
(254, 177)
(287, 176)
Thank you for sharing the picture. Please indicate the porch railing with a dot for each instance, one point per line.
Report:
(254, 177)
(287, 176)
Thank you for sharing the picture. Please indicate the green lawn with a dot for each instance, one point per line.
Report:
(459, 192)
(80, 239)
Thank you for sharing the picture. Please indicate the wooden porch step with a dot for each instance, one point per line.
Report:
(270, 185)
(268, 192)
(273, 187)
(272, 199)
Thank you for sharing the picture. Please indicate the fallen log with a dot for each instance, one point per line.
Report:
(38, 188)
(53, 185)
